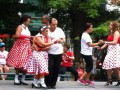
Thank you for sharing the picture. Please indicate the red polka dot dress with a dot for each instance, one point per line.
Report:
(21, 51)
(112, 59)
(38, 62)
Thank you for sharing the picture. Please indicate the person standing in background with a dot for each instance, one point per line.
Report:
(45, 21)
(21, 50)
(112, 58)
(54, 53)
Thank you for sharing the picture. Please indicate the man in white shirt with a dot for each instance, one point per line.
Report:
(55, 53)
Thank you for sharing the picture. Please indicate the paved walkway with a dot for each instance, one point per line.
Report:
(61, 85)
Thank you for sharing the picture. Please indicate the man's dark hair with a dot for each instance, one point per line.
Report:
(50, 19)
(46, 17)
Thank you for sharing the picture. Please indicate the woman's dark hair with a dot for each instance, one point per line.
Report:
(24, 18)
(67, 45)
(87, 25)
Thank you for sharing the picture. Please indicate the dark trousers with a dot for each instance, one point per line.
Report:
(53, 67)
(89, 62)
(69, 69)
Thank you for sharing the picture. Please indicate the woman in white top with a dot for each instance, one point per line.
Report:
(86, 51)
(21, 50)
(3, 56)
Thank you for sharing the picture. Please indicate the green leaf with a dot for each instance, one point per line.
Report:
(58, 4)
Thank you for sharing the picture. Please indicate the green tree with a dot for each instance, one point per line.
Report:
(9, 17)
(73, 14)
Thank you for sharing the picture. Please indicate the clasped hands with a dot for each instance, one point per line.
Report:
(101, 42)
(57, 41)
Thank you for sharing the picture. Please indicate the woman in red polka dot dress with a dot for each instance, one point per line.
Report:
(38, 62)
(21, 50)
(112, 59)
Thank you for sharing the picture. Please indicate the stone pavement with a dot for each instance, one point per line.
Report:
(61, 85)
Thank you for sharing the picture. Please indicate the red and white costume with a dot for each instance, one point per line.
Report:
(38, 62)
(112, 59)
(67, 62)
(21, 50)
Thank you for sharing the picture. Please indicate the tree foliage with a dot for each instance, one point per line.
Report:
(73, 14)
(9, 17)
(102, 31)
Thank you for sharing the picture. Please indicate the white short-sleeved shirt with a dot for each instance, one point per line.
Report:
(85, 49)
(3, 56)
(55, 35)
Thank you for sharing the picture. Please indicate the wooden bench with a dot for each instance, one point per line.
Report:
(67, 76)
(11, 75)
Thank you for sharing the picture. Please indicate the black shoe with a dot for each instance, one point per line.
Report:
(16, 83)
(23, 83)
(48, 87)
(118, 83)
(109, 82)
(43, 86)
(33, 86)
(53, 87)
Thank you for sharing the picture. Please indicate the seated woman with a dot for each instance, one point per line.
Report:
(3, 56)
(67, 62)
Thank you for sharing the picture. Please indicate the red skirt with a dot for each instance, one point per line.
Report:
(19, 54)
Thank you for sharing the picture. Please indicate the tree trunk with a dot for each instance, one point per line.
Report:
(78, 21)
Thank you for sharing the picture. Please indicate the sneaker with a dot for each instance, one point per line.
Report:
(83, 82)
(89, 82)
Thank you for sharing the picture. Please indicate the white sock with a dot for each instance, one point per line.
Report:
(23, 78)
(35, 81)
(16, 79)
(42, 82)
(58, 79)
(39, 80)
